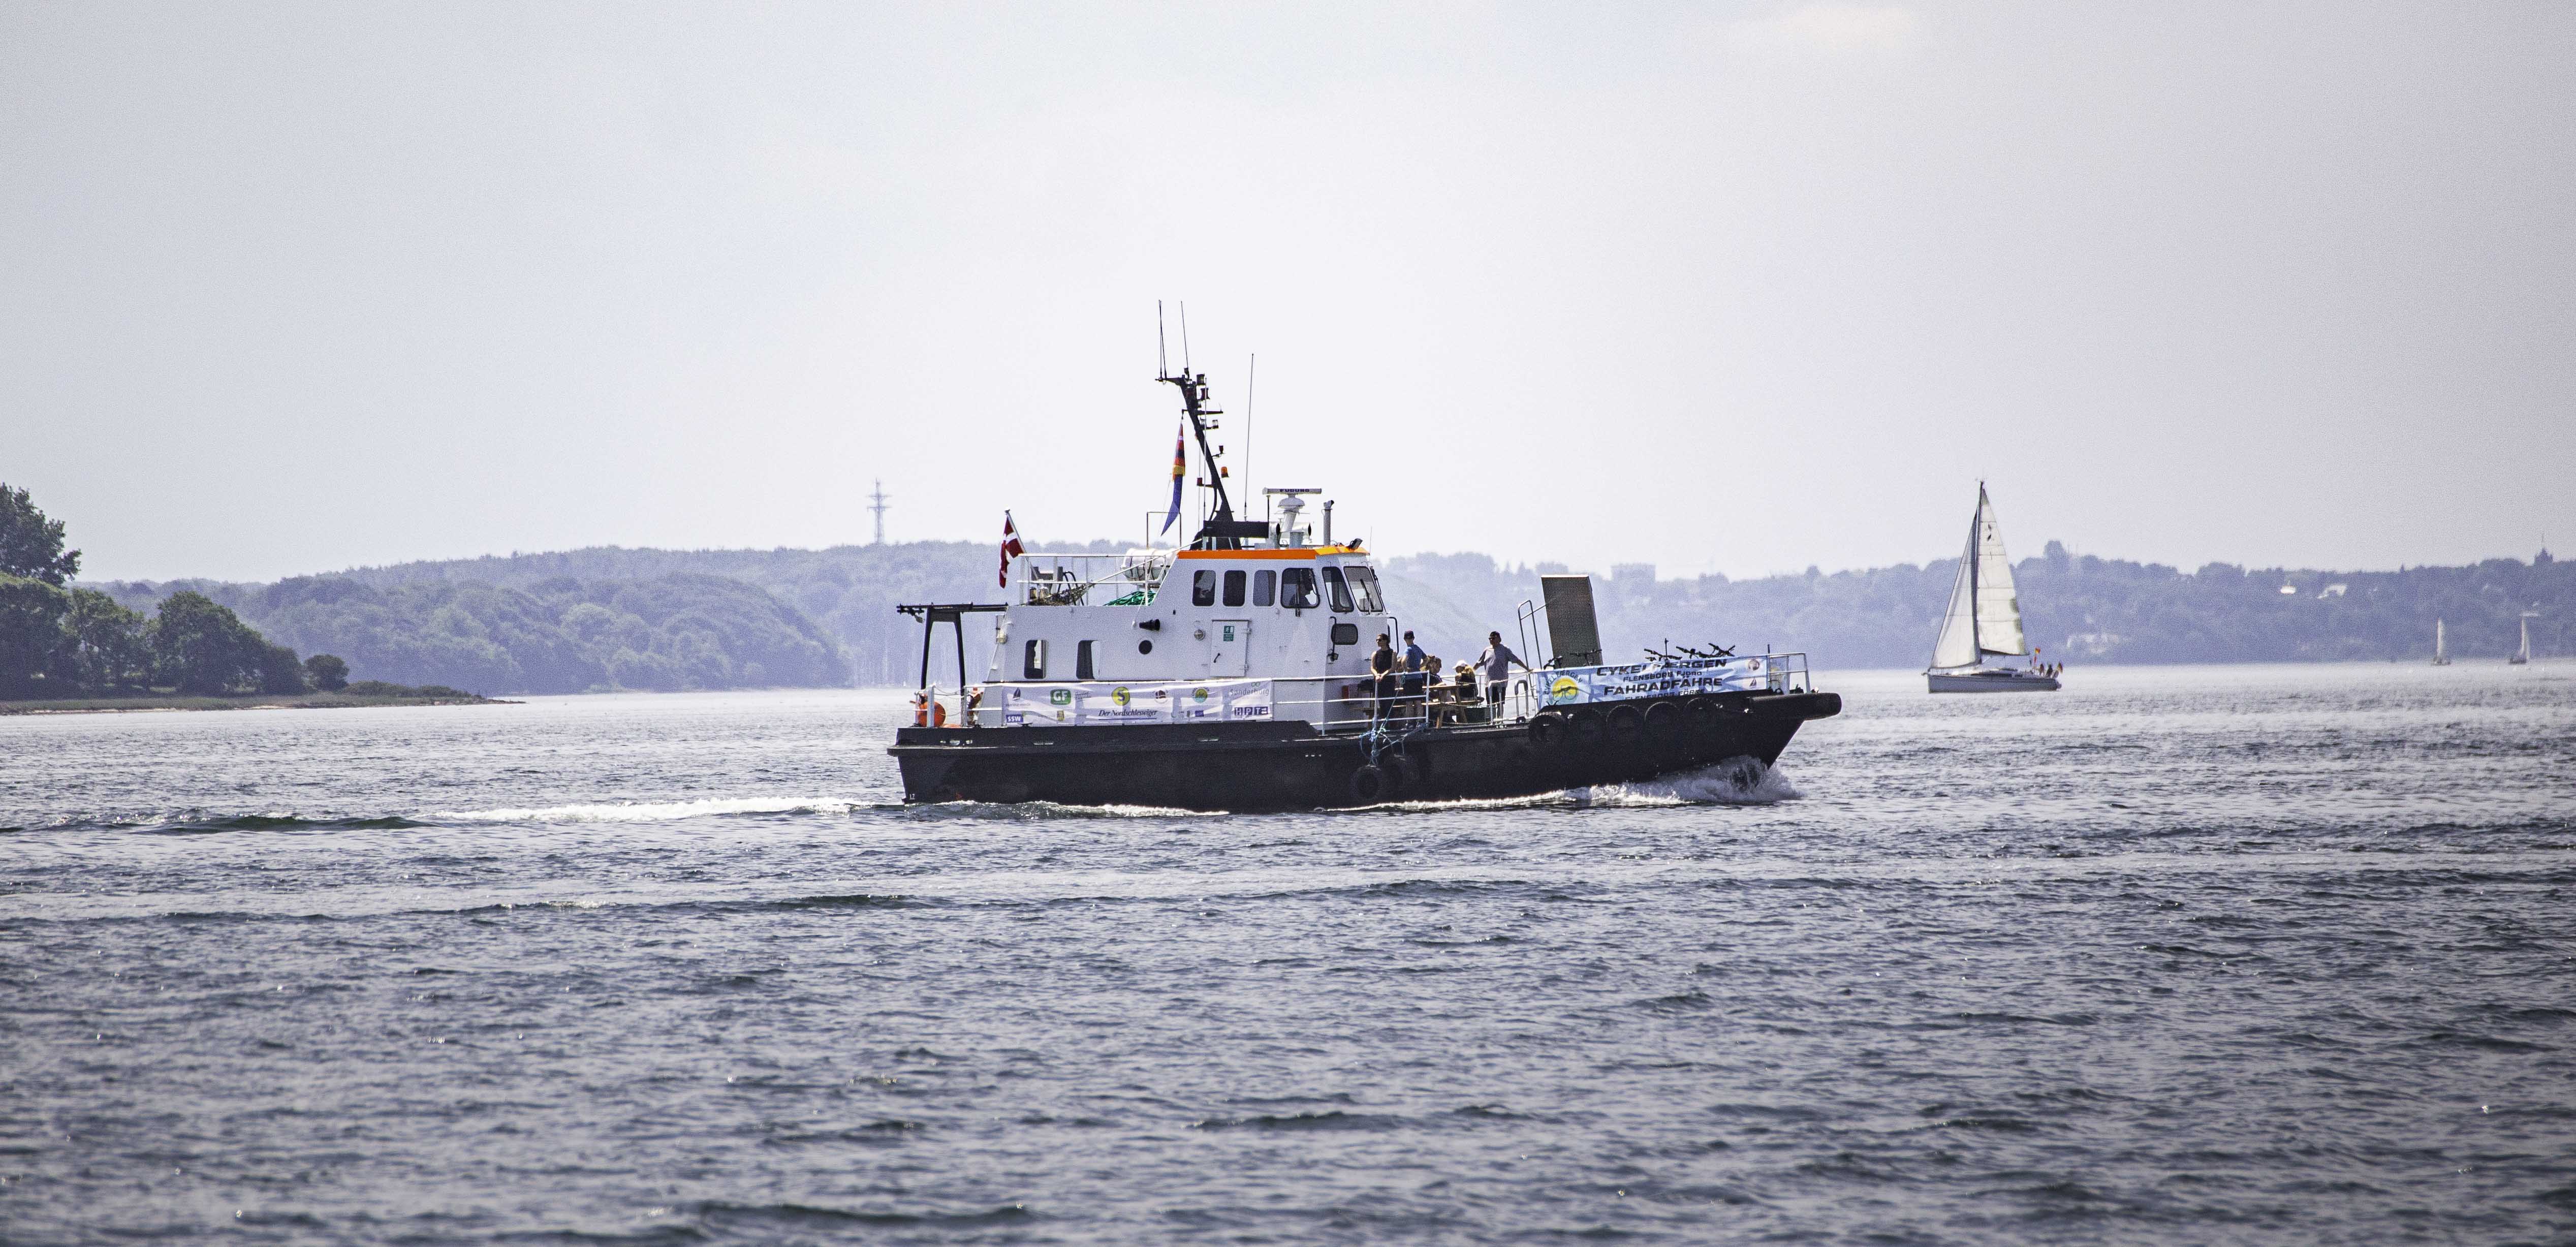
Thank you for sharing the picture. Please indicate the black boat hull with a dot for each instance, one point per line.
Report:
(1283, 766)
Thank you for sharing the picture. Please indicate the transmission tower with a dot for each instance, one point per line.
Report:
(878, 505)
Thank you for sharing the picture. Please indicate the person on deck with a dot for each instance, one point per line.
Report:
(1382, 664)
(1496, 664)
(1462, 692)
(1414, 658)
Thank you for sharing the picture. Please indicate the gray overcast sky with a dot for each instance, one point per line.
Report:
(1723, 287)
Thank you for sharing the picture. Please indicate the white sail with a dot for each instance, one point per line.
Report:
(1998, 607)
(2524, 654)
(2438, 653)
(1957, 644)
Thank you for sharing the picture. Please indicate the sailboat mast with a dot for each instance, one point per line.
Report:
(1976, 571)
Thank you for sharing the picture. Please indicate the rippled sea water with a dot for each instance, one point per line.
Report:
(2278, 954)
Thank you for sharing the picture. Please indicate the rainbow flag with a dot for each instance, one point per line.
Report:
(1180, 467)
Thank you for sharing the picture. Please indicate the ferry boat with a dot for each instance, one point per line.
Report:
(1235, 674)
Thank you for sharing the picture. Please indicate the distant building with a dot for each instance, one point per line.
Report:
(2092, 644)
(1642, 573)
(2333, 591)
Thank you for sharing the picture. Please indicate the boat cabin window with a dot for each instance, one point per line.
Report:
(1297, 589)
(1265, 588)
(1234, 588)
(1340, 590)
(1203, 588)
(1082, 661)
(1033, 661)
(1364, 582)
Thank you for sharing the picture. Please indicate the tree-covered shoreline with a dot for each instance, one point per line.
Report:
(557, 635)
(2084, 608)
(65, 642)
(612, 618)
(2081, 608)
(313, 700)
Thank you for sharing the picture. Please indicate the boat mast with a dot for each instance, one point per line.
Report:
(1194, 393)
(1217, 534)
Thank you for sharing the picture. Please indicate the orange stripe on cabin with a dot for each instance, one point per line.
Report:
(1246, 554)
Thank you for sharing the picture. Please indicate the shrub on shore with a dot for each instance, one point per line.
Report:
(327, 672)
(380, 688)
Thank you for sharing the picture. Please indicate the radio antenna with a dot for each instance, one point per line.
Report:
(1162, 355)
(1185, 335)
(1251, 371)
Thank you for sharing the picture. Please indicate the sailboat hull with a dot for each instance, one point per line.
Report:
(1991, 682)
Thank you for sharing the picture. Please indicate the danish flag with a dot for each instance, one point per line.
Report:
(1010, 548)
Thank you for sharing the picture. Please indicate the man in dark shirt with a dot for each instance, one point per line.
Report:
(1414, 683)
(1382, 665)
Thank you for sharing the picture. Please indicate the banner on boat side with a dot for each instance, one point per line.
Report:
(1038, 705)
(1653, 679)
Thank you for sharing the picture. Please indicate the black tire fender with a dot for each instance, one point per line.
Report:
(1370, 785)
(1699, 715)
(1549, 730)
(1664, 720)
(1586, 722)
(1627, 722)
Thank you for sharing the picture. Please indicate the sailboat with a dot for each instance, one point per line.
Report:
(1984, 619)
(2523, 655)
(2441, 653)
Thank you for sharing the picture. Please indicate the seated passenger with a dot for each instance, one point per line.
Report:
(1463, 686)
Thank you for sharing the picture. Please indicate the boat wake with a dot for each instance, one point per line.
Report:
(1042, 811)
(1736, 781)
(655, 811)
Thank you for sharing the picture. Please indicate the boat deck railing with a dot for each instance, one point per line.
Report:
(1334, 704)
(1350, 705)
(1787, 673)
(1126, 579)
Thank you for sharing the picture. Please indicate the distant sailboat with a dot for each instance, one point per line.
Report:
(1984, 619)
(2441, 654)
(2523, 655)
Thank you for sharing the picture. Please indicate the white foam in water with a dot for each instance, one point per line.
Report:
(650, 811)
(1024, 811)
(1739, 781)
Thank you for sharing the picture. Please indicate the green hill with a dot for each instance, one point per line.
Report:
(555, 634)
(614, 617)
